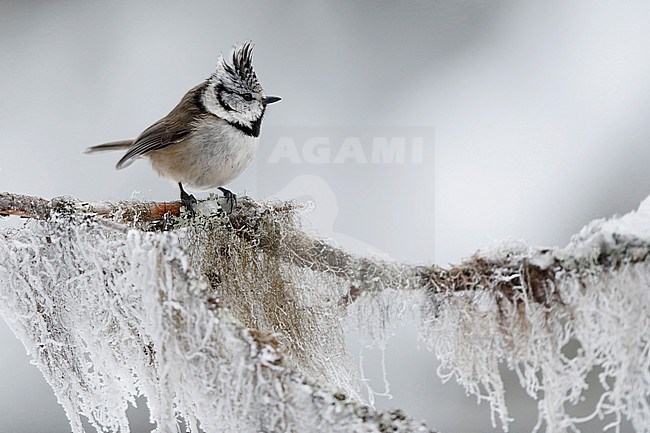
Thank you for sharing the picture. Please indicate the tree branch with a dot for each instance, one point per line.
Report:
(26, 206)
(130, 305)
(511, 305)
(534, 269)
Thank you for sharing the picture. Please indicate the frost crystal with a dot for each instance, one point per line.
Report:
(554, 317)
(236, 323)
(199, 320)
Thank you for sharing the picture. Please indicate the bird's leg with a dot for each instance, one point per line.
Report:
(231, 198)
(188, 200)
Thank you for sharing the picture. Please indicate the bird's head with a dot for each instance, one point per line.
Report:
(234, 93)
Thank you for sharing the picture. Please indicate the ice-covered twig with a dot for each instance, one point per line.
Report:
(251, 220)
(109, 315)
(553, 316)
(536, 269)
(26, 206)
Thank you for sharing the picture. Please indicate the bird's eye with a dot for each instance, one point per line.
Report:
(247, 97)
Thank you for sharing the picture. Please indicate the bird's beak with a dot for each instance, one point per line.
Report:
(270, 99)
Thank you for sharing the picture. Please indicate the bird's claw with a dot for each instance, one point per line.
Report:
(188, 200)
(231, 199)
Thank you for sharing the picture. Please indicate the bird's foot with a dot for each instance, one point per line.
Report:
(231, 200)
(188, 200)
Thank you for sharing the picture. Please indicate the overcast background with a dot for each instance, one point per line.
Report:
(532, 119)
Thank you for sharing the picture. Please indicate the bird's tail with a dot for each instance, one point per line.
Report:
(114, 145)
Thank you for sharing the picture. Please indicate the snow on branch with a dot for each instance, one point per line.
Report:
(235, 322)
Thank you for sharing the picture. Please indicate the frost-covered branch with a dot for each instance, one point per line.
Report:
(27, 206)
(553, 316)
(109, 315)
(252, 221)
(257, 223)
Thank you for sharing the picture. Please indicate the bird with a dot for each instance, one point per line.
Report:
(211, 136)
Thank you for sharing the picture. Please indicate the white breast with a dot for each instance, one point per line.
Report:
(214, 155)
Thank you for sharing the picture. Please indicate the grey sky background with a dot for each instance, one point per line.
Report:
(534, 119)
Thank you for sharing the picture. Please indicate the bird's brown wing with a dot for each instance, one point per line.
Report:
(169, 130)
(157, 136)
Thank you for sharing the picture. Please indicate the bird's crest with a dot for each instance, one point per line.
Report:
(238, 69)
